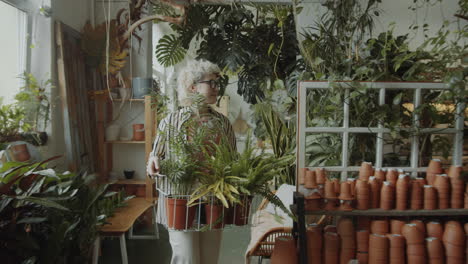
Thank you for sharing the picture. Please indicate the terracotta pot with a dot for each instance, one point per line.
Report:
(454, 233)
(430, 197)
(330, 190)
(435, 248)
(214, 215)
(412, 234)
(345, 227)
(397, 248)
(452, 250)
(314, 244)
(346, 205)
(392, 176)
(301, 176)
(310, 180)
(362, 240)
(321, 175)
(242, 211)
(179, 215)
(331, 248)
(417, 195)
(396, 241)
(336, 183)
(421, 181)
(141, 191)
(402, 192)
(418, 250)
(331, 204)
(457, 186)
(387, 196)
(435, 229)
(313, 202)
(374, 192)
(363, 223)
(434, 167)
(396, 226)
(346, 255)
(420, 226)
(138, 132)
(466, 201)
(284, 251)
(20, 152)
(365, 171)
(378, 248)
(379, 227)
(442, 186)
(345, 191)
(352, 186)
(362, 257)
(379, 174)
(330, 229)
(362, 195)
(454, 171)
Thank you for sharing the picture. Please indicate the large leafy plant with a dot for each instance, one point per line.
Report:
(50, 217)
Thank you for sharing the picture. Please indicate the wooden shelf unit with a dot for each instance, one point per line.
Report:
(104, 115)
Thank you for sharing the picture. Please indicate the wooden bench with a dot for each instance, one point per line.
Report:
(122, 221)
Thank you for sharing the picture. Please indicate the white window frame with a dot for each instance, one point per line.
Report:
(345, 129)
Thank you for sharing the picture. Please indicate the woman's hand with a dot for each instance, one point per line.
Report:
(152, 168)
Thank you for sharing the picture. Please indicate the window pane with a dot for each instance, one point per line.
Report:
(323, 149)
(324, 108)
(361, 148)
(13, 28)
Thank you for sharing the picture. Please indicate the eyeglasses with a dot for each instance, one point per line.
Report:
(211, 83)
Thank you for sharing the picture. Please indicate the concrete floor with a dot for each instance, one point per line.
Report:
(234, 244)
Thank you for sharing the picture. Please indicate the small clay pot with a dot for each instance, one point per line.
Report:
(314, 201)
(321, 175)
(363, 223)
(392, 176)
(435, 248)
(396, 226)
(345, 191)
(138, 132)
(330, 229)
(20, 152)
(379, 227)
(374, 192)
(378, 248)
(396, 240)
(454, 233)
(417, 195)
(301, 176)
(430, 197)
(345, 227)
(362, 195)
(379, 174)
(435, 229)
(330, 190)
(412, 234)
(416, 249)
(331, 204)
(362, 257)
(331, 243)
(362, 240)
(346, 205)
(284, 251)
(310, 180)
(420, 226)
(365, 171)
(336, 183)
(314, 243)
(352, 184)
(402, 192)
(387, 196)
(442, 185)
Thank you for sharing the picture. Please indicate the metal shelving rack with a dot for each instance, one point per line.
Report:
(417, 88)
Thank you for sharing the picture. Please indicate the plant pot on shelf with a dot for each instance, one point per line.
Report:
(214, 215)
(20, 152)
(138, 132)
(179, 215)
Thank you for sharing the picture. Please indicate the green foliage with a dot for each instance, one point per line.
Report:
(12, 122)
(50, 217)
(169, 50)
(33, 97)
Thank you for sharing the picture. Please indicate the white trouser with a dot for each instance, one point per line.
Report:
(195, 247)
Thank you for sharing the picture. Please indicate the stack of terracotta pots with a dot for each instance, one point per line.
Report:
(397, 249)
(379, 227)
(396, 226)
(313, 202)
(434, 168)
(387, 196)
(321, 175)
(284, 251)
(435, 250)
(442, 185)
(331, 198)
(435, 229)
(314, 246)
(392, 176)
(348, 242)
(374, 187)
(379, 173)
(417, 194)
(415, 244)
(362, 240)
(456, 186)
(402, 187)
(346, 197)
(378, 249)
(331, 254)
(365, 171)
(430, 197)
(454, 242)
(362, 194)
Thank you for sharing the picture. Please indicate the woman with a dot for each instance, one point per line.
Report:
(199, 79)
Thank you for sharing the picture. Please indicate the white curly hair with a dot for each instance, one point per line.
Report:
(190, 74)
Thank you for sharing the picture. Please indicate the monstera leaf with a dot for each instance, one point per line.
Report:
(94, 42)
(169, 50)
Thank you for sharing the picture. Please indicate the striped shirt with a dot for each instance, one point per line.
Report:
(167, 129)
